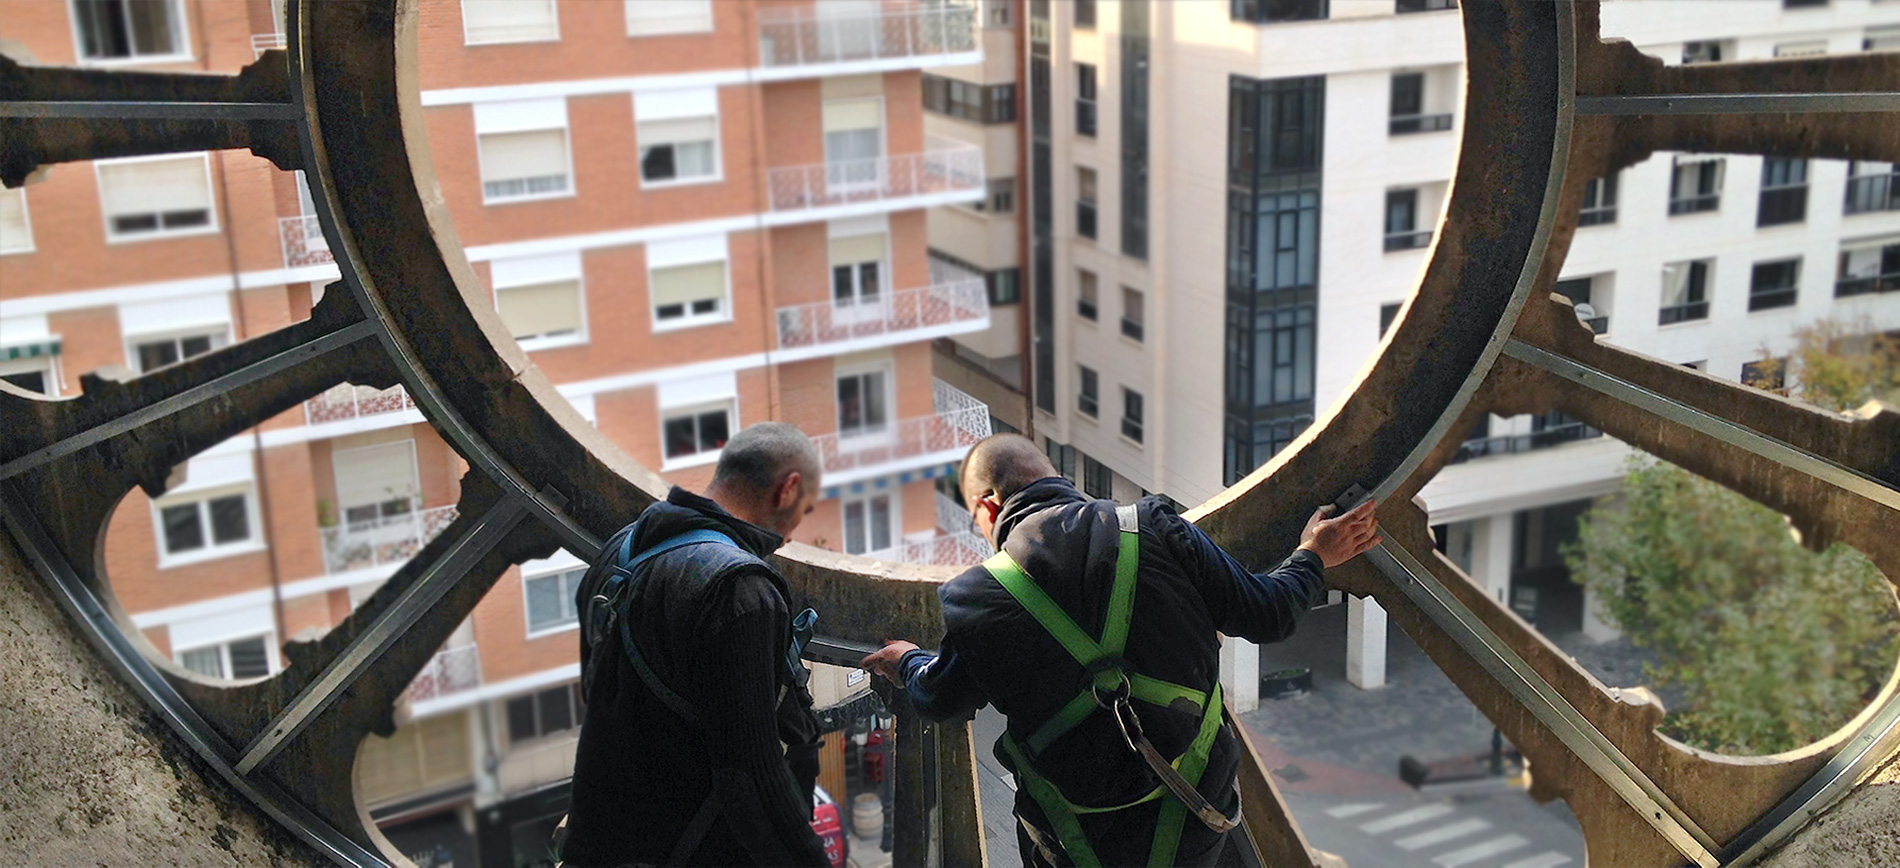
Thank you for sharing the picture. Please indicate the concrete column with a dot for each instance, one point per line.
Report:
(1365, 643)
(1240, 673)
(1595, 627)
(1491, 555)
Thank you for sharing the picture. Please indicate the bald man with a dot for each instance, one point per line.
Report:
(690, 678)
(1096, 631)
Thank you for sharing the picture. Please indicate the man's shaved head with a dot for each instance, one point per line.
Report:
(759, 457)
(1001, 465)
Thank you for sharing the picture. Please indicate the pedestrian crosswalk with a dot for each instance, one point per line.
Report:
(1440, 834)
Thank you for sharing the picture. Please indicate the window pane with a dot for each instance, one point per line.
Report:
(151, 26)
(713, 428)
(204, 661)
(854, 527)
(250, 658)
(521, 719)
(680, 438)
(850, 408)
(557, 710)
(656, 163)
(157, 354)
(184, 531)
(230, 520)
(544, 603)
(874, 417)
(880, 522)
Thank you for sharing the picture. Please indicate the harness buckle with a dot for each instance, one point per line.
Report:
(1128, 722)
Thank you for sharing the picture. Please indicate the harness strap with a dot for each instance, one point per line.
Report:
(667, 695)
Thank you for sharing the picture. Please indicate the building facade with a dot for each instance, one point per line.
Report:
(691, 215)
(1243, 193)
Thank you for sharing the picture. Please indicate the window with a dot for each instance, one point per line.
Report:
(1085, 302)
(32, 373)
(999, 104)
(687, 294)
(1269, 11)
(1402, 7)
(238, 658)
(487, 22)
(677, 150)
(1084, 14)
(541, 298)
(1774, 284)
(1599, 201)
(970, 101)
(868, 525)
(1706, 51)
(1769, 375)
(1133, 318)
(377, 485)
(1097, 479)
(1804, 4)
(1134, 86)
(522, 149)
(857, 269)
(16, 229)
(1001, 198)
(550, 600)
(660, 17)
(1784, 192)
(1401, 222)
(1871, 188)
(1589, 304)
(996, 13)
(1814, 48)
(154, 353)
(1388, 313)
(1685, 292)
(206, 522)
(1085, 202)
(148, 30)
(1005, 286)
(1407, 113)
(1085, 100)
(854, 142)
(1088, 395)
(1695, 185)
(700, 431)
(863, 402)
(152, 198)
(1131, 414)
(1868, 268)
(1061, 456)
(539, 715)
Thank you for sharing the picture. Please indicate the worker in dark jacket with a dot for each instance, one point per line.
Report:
(1095, 631)
(679, 759)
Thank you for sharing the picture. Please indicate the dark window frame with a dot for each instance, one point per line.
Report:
(1774, 284)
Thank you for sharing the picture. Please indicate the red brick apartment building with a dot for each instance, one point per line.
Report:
(694, 215)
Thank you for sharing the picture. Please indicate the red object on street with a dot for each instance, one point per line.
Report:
(829, 826)
(874, 767)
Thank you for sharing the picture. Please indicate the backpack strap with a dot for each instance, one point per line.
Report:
(624, 569)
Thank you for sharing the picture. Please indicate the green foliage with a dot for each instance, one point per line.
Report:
(1771, 645)
(1840, 368)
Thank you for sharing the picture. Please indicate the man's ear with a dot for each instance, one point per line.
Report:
(788, 490)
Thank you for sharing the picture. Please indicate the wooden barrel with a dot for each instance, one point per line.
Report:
(867, 816)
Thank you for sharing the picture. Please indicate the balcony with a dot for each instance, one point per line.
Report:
(1513, 444)
(961, 299)
(953, 172)
(952, 517)
(451, 670)
(959, 421)
(802, 36)
(1408, 240)
(1406, 124)
(1403, 7)
(303, 242)
(947, 550)
(1695, 204)
(1850, 286)
(1868, 194)
(385, 541)
(346, 401)
(262, 42)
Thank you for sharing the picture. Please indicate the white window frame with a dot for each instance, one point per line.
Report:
(47, 365)
(895, 496)
(26, 219)
(567, 147)
(561, 564)
(658, 106)
(628, 11)
(114, 237)
(662, 255)
(697, 459)
(554, 9)
(837, 178)
(271, 655)
(181, 41)
(339, 460)
(541, 271)
(212, 549)
(888, 368)
(219, 333)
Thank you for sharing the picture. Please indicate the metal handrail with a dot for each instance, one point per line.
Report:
(950, 169)
(823, 322)
(799, 36)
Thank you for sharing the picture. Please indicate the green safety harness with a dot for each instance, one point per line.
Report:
(1110, 684)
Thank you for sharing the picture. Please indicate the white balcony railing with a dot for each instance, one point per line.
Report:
(953, 517)
(451, 670)
(949, 550)
(945, 168)
(346, 401)
(959, 421)
(387, 540)
(808, 325)
(262, 42)
(808, 35)
(303, 241)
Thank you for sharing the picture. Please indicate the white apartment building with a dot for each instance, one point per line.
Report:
(1267, 176)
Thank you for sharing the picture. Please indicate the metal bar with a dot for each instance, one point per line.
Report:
(1844, 478)
(915, 786)
(1868, 748)
(258, 370)
(165, 111)
(837, 652)
(470, 546)
(1544, 702)
(144, 680)
(1737, 103)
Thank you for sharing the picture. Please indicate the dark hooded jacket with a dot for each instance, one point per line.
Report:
(713, 625)
(1188, 592)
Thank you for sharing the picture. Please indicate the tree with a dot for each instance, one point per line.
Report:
(1770, 645)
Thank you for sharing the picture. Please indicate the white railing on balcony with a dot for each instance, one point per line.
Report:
(946, 168)
(948, 550)
(957, 424)
(387, 540)
(303, 241)
(345, 401)
(262, 42)
(953, 517)
(806, 35)
(451, 670)
(808, 325)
